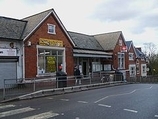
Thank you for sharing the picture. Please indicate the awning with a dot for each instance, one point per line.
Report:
(89, 53)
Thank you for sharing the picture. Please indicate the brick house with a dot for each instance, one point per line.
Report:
(114, 43)
(137, 61)
(132, 58)
(141, 64)
(47, 45)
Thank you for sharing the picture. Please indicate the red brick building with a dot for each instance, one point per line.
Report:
(43, 44)
(47, 45)
(114, 43)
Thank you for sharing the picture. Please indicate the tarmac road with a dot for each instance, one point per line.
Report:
(133, 101)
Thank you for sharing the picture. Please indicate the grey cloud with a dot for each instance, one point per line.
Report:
(115, 10)
(149, 21)
(145, 21)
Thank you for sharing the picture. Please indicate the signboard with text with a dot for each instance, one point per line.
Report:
(50, 42)
(7, 52)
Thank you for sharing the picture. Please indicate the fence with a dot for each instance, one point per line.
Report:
(147, 79)
(24, 86)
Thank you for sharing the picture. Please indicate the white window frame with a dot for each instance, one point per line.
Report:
(132, 69)
(143, 70)
(51, 29)
(107, 67)
(131, 56)
(52, 48)
(120, 42)
(121, 60)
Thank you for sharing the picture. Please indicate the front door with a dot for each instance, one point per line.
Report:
(84, 68)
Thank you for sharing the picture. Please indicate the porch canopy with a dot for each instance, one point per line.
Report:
(91, 53)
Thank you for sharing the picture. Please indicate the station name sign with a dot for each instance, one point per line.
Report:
(50, 42)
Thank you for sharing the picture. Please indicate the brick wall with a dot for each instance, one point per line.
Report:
(41, 32)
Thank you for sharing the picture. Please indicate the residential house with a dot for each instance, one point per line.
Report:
(132, 58)
(137, 61)
(114, 42)
(141, 64)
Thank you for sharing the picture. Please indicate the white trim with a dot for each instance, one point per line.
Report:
(91, 52)
(49, 47)
(53, 48)
(23, 58)
(64, 60)
(59, 23)
(36, 27)
(91, 55)
(54, 26)
(143, 73)
(63, 28)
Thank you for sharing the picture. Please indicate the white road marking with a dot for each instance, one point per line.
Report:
(129, 110)
(104, 105)
(82, 102)
(45, 115)
(101, 99)
(6, 106)
(114, 95)
(16, 111)
(156, 116)
(145, 88)
(64, 99)
(50, 98)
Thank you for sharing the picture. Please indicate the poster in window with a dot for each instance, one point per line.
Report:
(50, 64)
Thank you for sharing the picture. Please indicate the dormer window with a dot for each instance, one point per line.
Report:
(51, 29)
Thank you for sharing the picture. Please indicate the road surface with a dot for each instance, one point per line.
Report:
(133, 101)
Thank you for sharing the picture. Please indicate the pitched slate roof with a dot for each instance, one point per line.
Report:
(108, 40)
(34, 20)
(128, 44)
(85, 41)
(139, 54)
(11, 28)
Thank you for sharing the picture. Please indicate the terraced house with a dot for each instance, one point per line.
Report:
(137, 61)
(37, 45)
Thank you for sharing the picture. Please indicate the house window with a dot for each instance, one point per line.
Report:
(51, 29)
(107, 67)
(132, 70)
(120, 42)
(144, 69)
(121, 60)
(131, 56)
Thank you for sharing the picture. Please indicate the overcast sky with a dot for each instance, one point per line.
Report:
(137, 19)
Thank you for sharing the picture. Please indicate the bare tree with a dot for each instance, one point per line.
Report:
(150, 49)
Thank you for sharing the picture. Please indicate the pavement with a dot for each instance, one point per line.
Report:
(55, 91)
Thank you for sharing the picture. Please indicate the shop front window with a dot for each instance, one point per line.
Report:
(49, 60)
